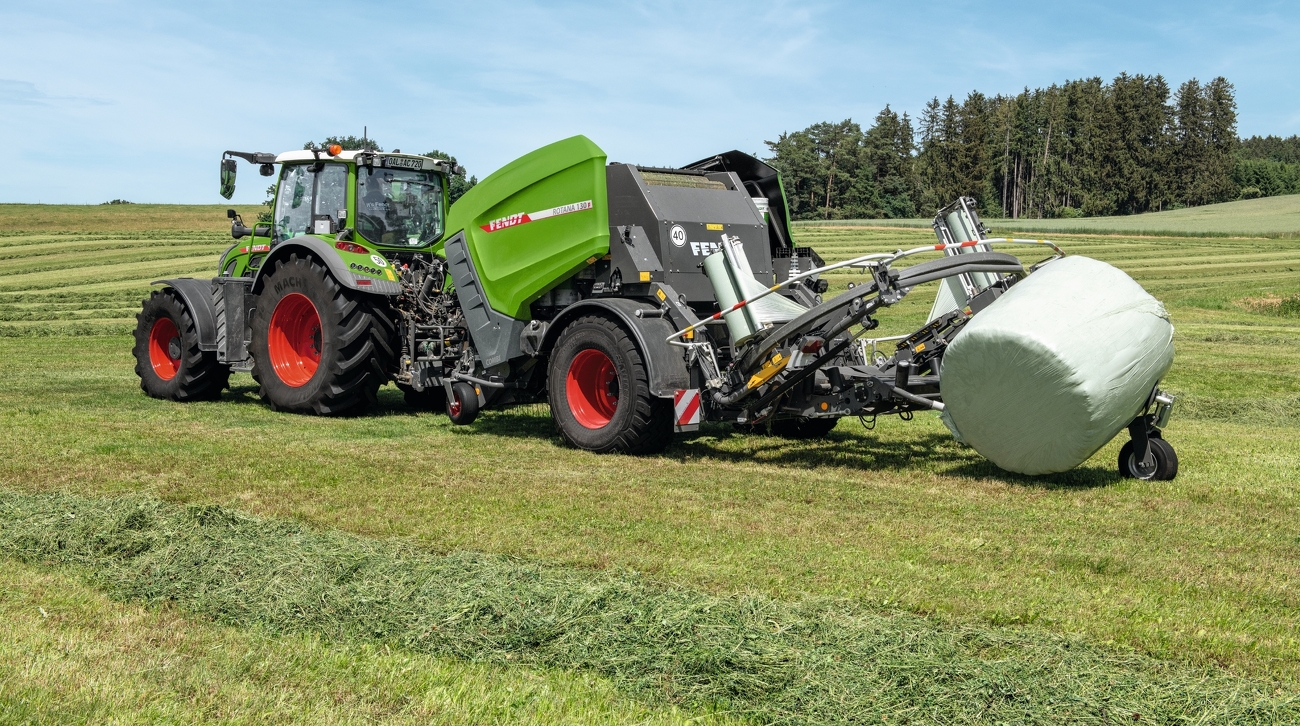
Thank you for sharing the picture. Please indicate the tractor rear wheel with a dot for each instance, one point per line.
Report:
(600, 393)
(167, 355)
(317, 346)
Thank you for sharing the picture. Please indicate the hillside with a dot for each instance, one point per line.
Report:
(1267, 217)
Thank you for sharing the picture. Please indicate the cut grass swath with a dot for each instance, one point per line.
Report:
(813, 662)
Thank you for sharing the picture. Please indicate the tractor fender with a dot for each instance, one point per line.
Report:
(197, 294)
(665, 364)
(325, 252)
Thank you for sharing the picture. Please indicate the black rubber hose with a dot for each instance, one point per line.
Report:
(848, 322)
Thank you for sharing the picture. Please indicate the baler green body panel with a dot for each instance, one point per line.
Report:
(535, 222)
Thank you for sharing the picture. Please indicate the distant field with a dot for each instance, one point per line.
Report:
(1154, 580)
(119, 218)
(1269, 217)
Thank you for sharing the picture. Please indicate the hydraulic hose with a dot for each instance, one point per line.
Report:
(847, 322)
(937, 406)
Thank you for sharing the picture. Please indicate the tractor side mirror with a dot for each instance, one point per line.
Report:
(228, 167)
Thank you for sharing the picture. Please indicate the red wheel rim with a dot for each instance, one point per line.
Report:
(294, 339)
(165, 348)
(591, 388)
(454, 406)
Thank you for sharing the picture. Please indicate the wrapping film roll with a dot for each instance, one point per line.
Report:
(1051, 371)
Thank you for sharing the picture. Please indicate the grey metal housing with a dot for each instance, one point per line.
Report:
(656, 209)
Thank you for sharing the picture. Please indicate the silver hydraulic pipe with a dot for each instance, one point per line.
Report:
(862, 261)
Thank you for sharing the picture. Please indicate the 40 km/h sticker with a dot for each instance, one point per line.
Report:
(514, 220)
(678, 235)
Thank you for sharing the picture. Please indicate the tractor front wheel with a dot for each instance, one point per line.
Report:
(600, 393)
(167, 355)
(319, 347)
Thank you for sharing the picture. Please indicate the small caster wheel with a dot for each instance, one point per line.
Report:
(462, 405)
(1161, 463)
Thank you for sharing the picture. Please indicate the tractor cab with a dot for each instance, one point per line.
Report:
(375, 201)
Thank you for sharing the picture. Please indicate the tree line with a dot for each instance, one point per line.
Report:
(1081, 148)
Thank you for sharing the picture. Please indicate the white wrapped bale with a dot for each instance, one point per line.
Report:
(1051, 371)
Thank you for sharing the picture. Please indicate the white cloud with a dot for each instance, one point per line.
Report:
(22, 93)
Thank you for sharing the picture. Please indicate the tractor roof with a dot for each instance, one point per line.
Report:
(349, 155)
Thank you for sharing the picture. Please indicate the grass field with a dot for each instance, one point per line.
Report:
(1199, 575)
(1272, 217)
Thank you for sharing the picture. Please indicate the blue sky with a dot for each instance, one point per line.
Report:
(137, 100)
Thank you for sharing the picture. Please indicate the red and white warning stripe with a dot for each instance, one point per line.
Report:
(514, 220)
(686, 406)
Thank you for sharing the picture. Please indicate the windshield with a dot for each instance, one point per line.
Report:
(307, 197)
(399, 207)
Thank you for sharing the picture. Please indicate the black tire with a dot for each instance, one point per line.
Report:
(177, 370)
(352, 340)
(630, 419)
(1165, 461)
(462, 407)
(433, 398)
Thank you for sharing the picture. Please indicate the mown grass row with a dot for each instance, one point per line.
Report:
(71, 655)
(92, 284)
(743, 655)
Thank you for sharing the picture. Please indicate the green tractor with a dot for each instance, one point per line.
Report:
(304, 303)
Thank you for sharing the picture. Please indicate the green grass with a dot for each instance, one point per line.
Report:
(1274, 217)
(1201, 571)
(92, 218)
(71, 655)
(744, 655)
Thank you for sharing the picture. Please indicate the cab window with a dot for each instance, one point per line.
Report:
(309, 192)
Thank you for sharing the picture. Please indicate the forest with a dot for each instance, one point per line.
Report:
(1081, 148)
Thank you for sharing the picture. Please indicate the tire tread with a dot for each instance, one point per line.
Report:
(363, 336)
(201, 377)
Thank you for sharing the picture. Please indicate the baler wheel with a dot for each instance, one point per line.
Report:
(1164, 467)
(600, 393)
(317, 346)
(167, 355)
(462, 407)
